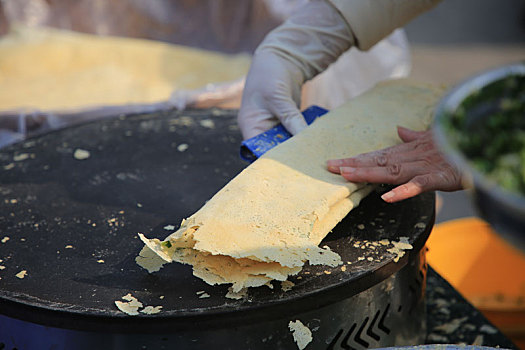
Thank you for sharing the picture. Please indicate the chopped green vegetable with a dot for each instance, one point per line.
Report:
(489, 129)
(166, 244)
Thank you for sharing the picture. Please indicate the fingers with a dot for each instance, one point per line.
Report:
(398, 154)
(283, 103)
(293, 122)
(291, 118)
(416, 165)
(392, 174)
(415, 178)
(410, 189)
(445, 180)
(254, 120)
(371, 159)
(408, 135)
(410, 151)
(271, 95)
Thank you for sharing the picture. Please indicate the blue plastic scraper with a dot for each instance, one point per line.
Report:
(255, 147)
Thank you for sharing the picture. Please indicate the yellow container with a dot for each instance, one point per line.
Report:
(484, 269)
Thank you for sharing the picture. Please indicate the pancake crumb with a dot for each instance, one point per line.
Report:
(182, 147)
(130, 307)
(21, 274)
(20, 157)
(81, 154)
(287, 285)
(237, 295)
(301, 334)
(151, 310)
(207, 123)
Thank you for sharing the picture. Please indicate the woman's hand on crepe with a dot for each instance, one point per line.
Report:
(416, 165)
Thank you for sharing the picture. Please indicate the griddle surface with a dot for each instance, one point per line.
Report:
(72, 225)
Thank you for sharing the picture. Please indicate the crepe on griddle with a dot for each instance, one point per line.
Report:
(268, 221)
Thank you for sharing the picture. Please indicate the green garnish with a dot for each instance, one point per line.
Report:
(166, 244)
(489, 129)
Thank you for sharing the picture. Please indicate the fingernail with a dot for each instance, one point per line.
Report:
(346, 170)
(387, 196)
(334, 168)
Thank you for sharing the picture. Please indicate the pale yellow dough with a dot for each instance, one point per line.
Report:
(269, 220)
(51, 69)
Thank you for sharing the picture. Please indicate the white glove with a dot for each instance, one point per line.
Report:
(293, 53)
(306, 44)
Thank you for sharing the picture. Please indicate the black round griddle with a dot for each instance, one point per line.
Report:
(72, 225)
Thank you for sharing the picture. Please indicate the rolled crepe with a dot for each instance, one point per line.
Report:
(268, 221)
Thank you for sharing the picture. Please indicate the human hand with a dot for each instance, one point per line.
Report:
(416, 165)
(271, 95)
(302, 47)
(305, 45)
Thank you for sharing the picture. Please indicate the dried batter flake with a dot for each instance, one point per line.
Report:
(399, 248)
(130, 307)
(287, 285)
(81, 154)
(151, 310)
(301, 334)
(21, 274)
(237, 295)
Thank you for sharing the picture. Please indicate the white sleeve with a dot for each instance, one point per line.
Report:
(372, 20)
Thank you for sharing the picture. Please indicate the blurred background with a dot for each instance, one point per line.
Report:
(51, 76)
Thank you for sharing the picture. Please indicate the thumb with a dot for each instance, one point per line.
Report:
(408, 135)
(290, 116)
(294, 122)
